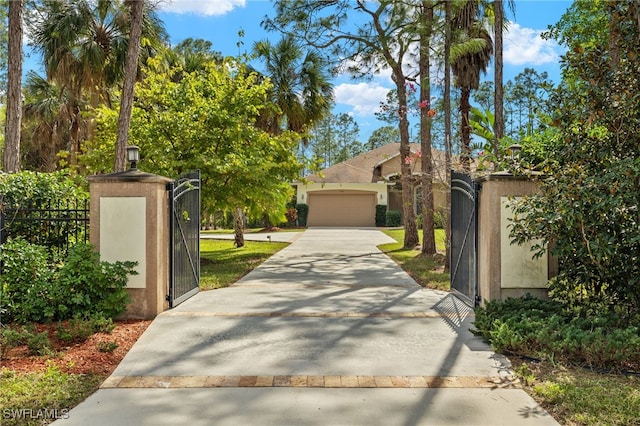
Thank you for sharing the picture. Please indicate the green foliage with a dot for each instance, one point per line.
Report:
(107, 346)
(533, 327)
(38, 343)
(38, 190)
(51, 389)
(393, 218)
(26, 293)
(206, 120)
(381, 214)
(33, 290)
(31, 190)
(303, 213)
(10, 338)
(93, 287)
(587, 211)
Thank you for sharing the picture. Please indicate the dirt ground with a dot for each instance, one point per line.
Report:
(79, 358)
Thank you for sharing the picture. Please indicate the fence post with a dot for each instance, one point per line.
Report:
(504, 269)
(130, 222)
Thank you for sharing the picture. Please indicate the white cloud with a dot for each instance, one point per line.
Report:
(201, 7)
(364, 98)
(525, 46)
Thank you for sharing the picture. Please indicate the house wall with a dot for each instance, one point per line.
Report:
(380, 188)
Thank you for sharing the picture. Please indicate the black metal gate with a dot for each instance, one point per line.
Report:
(464, 244)
(184, 244)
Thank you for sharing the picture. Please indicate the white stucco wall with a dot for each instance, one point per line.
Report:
(123, 234)
(518, 268)
(380, 188)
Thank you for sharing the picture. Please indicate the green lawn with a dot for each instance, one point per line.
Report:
(222, 264)
(53, 389)
(426, 270)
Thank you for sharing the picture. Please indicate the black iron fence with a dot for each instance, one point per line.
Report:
(58, 226)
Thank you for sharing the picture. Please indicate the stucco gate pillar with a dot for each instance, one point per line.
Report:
(130, 222)
(505, 269)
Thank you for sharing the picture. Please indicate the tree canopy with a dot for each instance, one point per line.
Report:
(588, 210)
(206, 120)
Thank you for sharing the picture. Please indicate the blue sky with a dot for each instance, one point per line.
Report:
(220, 21)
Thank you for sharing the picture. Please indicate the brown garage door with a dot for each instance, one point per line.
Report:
(342, 209)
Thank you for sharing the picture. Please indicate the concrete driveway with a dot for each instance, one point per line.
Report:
(329, 331)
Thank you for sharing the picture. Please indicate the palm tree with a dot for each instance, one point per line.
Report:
(470, 56)
(301, 87)
(84, 46)
(47, 113)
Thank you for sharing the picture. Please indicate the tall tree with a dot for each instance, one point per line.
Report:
(498, 98)
(14, 94)
(447, 124)
(426, 113)
(383, 136)
(588, 203)
(4, 46)
(130, 74)
(244, 169)
(84, 47)
(470, 56)
(382, 39)
(301, 86)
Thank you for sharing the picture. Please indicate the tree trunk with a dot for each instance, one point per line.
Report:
(498, 123)
(238, 227)
(465, 129)
(14, 95)
(428, 232)
(130, 73)
(408, 215)
(447, 129)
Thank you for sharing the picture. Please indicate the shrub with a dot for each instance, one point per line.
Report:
(26, 293)
(41, 191)
(107, 347)
(94, 287)
(303, 213)
(9, 338)
(381, 215)
(33, 290)
(534, 327)
(393, 218)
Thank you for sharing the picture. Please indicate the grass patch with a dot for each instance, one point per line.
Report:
(428, 271)
(222, 264)
(575, 396)
(37, 398)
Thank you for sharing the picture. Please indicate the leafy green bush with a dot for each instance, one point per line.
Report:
(42, 191)
(9, 338)
(534, 327)
(79, 330)
(303, 213)
(38, 343)
(26, 293)
(393, 218)
(381, 214)
(93, 287)
(33, 290)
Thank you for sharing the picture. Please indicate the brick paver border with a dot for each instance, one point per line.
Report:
(313, 381)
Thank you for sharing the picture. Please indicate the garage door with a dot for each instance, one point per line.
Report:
(342, 209)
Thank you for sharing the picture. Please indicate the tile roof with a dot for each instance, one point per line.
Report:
(360, 169)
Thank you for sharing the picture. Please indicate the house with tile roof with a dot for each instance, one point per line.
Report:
(346, 194)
